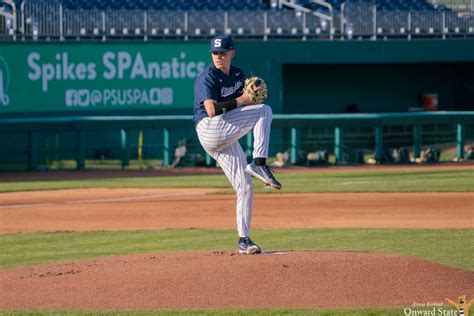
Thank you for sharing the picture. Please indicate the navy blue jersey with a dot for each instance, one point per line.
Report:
(215, 85)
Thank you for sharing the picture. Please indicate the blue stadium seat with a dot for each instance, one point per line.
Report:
(383, 5)
(166, 5)
(234, 5)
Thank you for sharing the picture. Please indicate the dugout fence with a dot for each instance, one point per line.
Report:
(339, 134)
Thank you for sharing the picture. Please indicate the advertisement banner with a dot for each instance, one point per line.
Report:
(76, 77)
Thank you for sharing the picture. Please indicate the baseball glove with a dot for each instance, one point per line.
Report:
(257, 96)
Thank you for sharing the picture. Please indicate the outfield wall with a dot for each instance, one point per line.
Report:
(156, 78)
(303, 77)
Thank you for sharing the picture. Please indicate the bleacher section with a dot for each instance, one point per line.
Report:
(164, 5)
(382, 5)
(230, 5)
(304, 19)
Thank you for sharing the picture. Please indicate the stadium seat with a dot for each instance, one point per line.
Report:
(198, 18)
(167, 5)
(235, 5)
(383, 5)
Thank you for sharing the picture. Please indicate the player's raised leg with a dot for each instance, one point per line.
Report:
(222, 131)
(258, 167)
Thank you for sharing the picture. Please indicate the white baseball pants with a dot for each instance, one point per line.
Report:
(219, 136)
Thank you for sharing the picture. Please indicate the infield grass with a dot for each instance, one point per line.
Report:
(452, 247)
(314, 180)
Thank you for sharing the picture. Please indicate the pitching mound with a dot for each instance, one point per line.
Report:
(225, 279)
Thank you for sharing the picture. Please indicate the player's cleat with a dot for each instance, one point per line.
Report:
(248, 247)
(264, 174)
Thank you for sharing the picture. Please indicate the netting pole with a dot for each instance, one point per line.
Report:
(460, 140)
(140, 149)
(166, 147)
(338, 144)
(294, 145)
(125, 148)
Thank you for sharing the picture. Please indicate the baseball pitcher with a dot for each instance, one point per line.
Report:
(226, 107)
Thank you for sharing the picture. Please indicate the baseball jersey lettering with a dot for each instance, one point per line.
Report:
(213, 84)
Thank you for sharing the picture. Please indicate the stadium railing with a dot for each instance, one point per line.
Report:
(51, 21)
(294, 122)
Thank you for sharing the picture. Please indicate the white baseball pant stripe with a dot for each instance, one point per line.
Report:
(219, 137)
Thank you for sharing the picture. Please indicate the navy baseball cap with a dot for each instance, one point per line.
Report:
(222, 43)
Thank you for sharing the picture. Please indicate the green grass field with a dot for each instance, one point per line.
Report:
(416, 180)
(446, 246)
(454, 247)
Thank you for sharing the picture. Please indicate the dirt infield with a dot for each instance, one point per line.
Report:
(223, 279)
(137, 209)
(226, 279)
